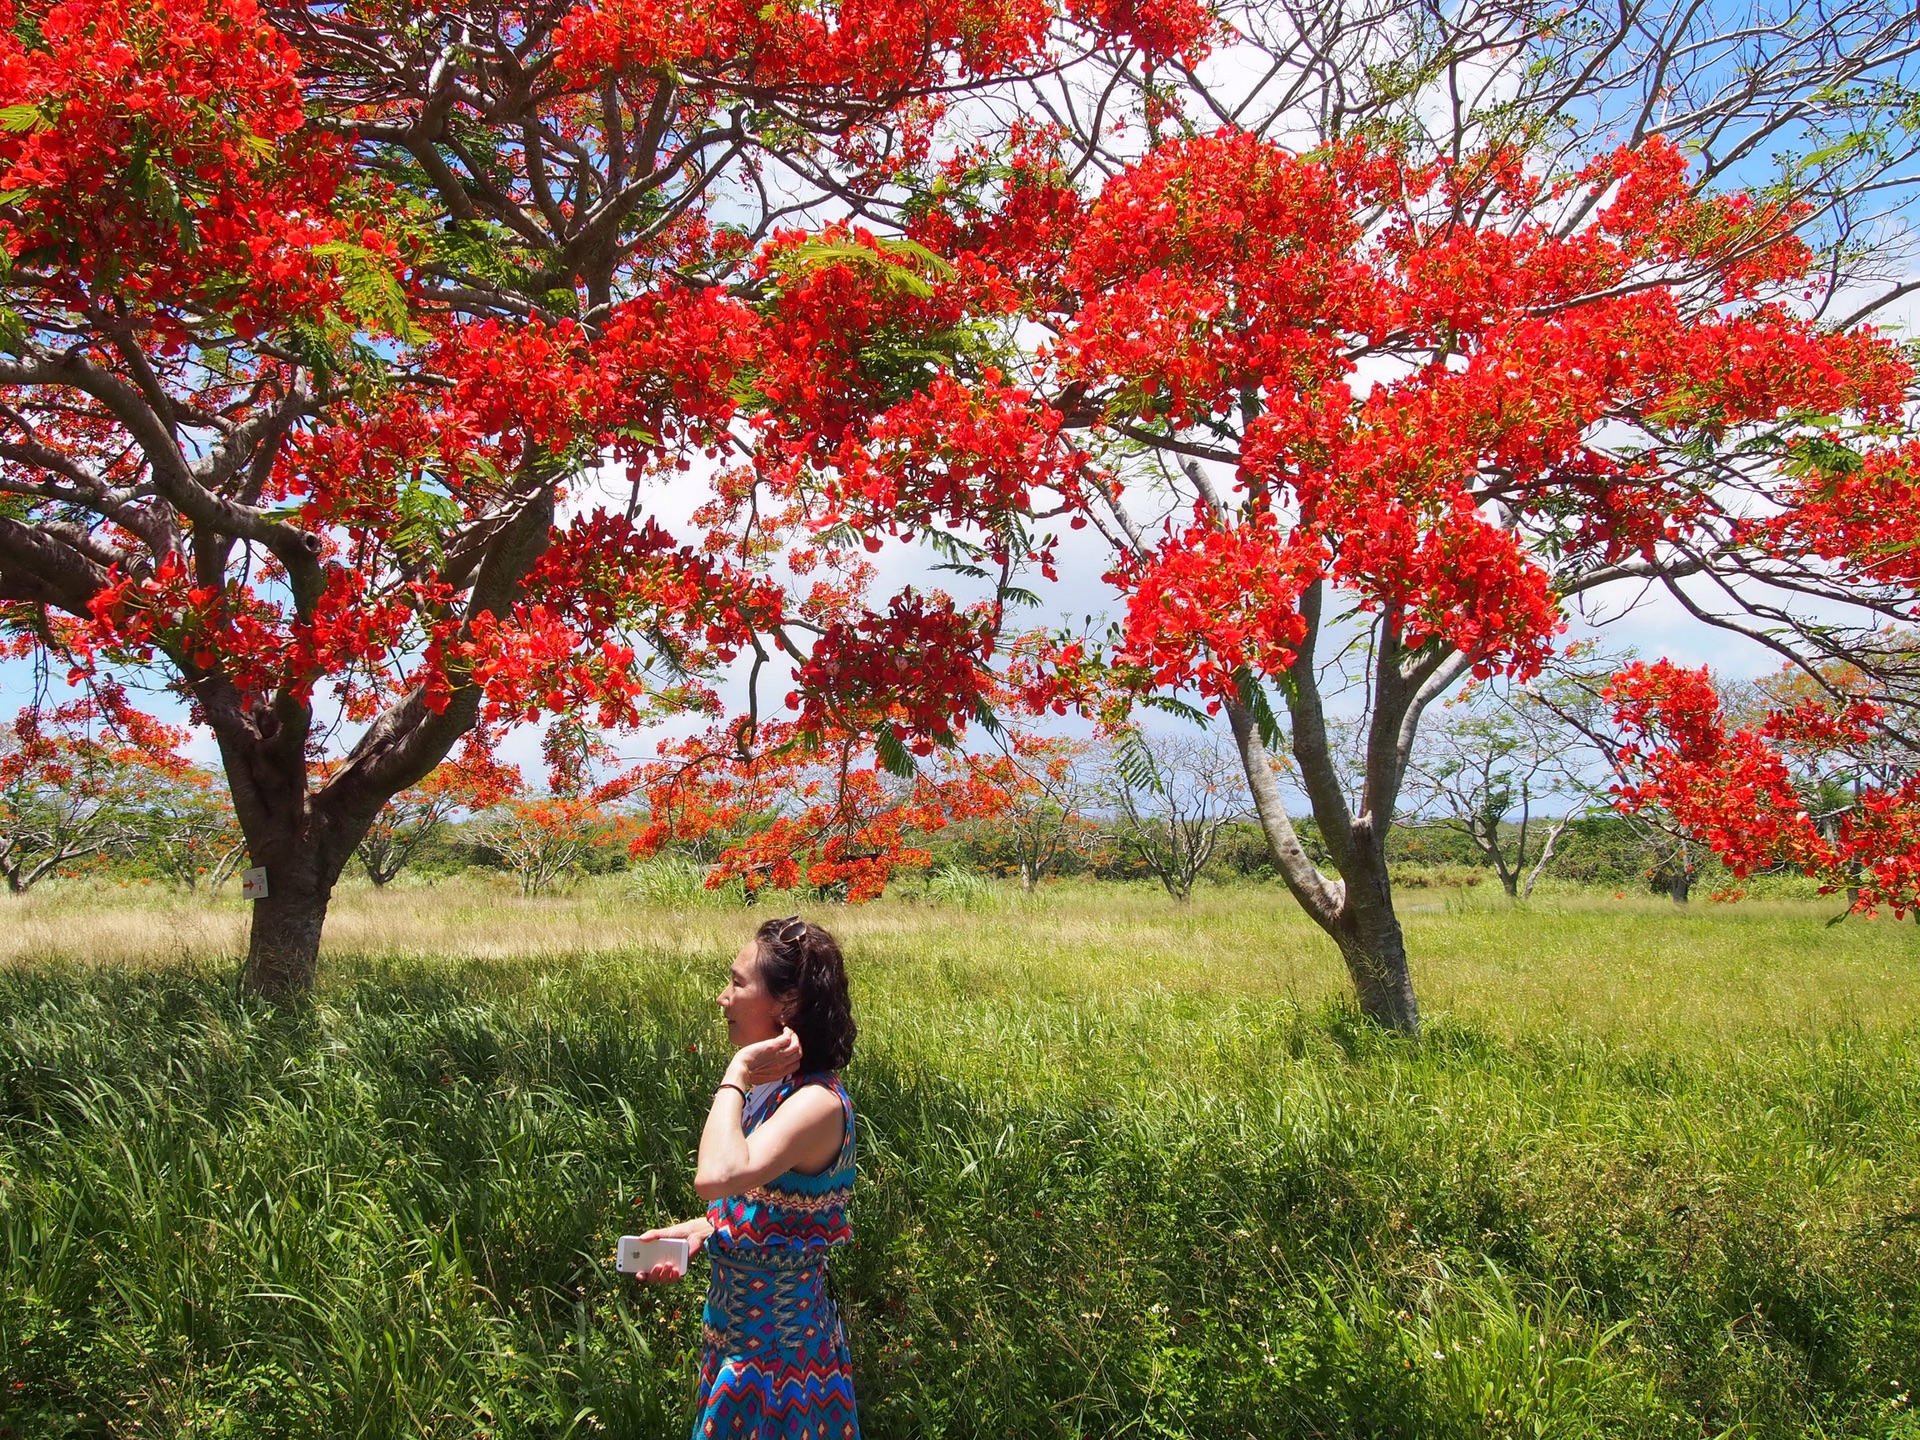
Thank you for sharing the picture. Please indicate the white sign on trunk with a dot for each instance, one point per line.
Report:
(253, 884)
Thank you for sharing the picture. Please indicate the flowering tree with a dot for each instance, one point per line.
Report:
(471, 781)
(77, 782)
(1044, 820)
(1542, 395)
(544, 838)
(1374, 409)
(312, 314)
(823, 813)
(1749, 792)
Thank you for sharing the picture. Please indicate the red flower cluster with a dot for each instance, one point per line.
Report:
(871, 49)
(156, 149)
(1734, 789)
(1212, 601)
(1414, 404)
(1861, 512)
(915, 671)
(807, 809)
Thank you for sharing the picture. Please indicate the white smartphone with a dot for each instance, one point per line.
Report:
(636, 1255)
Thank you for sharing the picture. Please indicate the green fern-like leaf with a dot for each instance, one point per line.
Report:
(372, 291)
(892, 755)
(910, 277)
(1133, 762)
(424, 519)
(1254, 697)
(19, 119)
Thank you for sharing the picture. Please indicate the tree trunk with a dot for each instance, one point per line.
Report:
(283, 947)
(303, 858)
(1376, 954)
(1355, 910)
(1680, 885)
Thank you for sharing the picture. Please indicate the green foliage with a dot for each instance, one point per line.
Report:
(892, 754)
(423, 517)
(878, 260)
(373, 293)
(23, 119)
(1604, 849)
(1135, 764)
(1087, 1207)
(963, 889)
(674, 882)
(1433, 845)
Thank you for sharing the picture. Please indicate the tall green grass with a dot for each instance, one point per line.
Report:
(1119, 1176)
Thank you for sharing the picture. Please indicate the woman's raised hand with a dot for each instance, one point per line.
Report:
(766, 1060)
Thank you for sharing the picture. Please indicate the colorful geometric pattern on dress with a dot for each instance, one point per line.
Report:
(774, 1362)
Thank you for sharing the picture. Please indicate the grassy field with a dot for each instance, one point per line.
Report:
(1126, 1169)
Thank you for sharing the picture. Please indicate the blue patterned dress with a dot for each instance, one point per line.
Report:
(774, 1362)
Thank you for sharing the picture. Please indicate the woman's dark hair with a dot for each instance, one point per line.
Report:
(800, 965)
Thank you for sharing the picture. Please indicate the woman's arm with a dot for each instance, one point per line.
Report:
(804, 1133)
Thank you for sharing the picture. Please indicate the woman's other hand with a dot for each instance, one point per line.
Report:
(694, 1232)
(766, 1059)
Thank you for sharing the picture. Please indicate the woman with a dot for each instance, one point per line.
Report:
(776, 1168)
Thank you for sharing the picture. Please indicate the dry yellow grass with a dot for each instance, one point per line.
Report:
(1634, 969)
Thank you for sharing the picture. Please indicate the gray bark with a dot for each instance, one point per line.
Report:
(1355, 910)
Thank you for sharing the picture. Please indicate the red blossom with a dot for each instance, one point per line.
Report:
(1732, 787)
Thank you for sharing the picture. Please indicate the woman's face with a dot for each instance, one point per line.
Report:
(752, 1014)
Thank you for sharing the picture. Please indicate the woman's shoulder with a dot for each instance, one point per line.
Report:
(824, 1096)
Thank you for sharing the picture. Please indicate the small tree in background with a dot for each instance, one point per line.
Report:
(1045, 819)
(544, 839)
(472, 782)
(73, 784)
(819, 813)
(1173, 796)
(186, 830)
(1487, 767)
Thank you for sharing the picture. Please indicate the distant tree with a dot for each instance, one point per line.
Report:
(839, 812)
(1045, 821)
(185, 828)
(1173, 796)
(541, 839)
(1488, 765)
(472, 781)
(73, 781)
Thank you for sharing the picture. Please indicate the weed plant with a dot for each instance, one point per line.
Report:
(1121, 1173)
